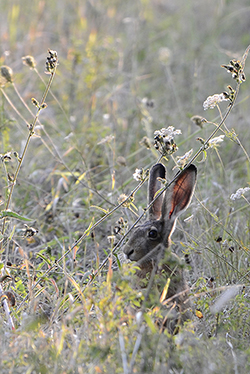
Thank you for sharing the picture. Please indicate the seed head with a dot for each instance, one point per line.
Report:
(198, 120)
(51, 62)
(164, 140)
(165, 55)
(29, 61)
(145, 142)
(29, 231)
(6, 74)
(235, 68)
(44, 106)
(35, 102)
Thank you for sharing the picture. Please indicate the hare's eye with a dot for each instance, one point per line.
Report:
(152, 234)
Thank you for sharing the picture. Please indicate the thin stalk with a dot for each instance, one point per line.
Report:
(14, 108)
(204, 146)
(206, 143)
(86, 233)
(51, 65)
(58, 156)
(31, 133)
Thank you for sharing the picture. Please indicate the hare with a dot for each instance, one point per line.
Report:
(149, 242)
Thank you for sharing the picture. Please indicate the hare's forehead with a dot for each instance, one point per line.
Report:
(145, 227)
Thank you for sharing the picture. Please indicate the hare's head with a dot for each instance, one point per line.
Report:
(150, 237)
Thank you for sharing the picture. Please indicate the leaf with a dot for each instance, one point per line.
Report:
(110, 271)
(117, 260)
(12, 233)
(203, 157)
(80, 178)
(88, 230)
(113, 181)
(10, 213)
(198, 314)
(4, 277)
(150, 323)
(44, 259)
(165, 291)
(99, 208)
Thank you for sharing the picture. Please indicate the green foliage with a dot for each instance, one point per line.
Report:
(126, 69)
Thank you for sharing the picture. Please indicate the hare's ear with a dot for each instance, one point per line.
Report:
(178, 196)
(157, 171)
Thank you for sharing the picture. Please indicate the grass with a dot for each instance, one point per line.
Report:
(126, 69)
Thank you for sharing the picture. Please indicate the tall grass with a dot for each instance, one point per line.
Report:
(126, 69)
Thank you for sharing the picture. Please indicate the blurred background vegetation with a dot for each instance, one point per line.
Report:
(126, 69)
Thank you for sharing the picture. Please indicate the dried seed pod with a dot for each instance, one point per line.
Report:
(29, 61)
(51, 62)
(7, 73)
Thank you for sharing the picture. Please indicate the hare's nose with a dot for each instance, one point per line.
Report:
(130, 253)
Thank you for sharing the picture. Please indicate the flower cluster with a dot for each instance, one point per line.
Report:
(6, 157)
(125, 200)
(120, 226)
(236, 69)
(239, 193)
(140, 175)
(164, 140)
(214, 100)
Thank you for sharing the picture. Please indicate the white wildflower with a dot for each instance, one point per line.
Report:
(6, 157)
(182, 160)
(213, 143)
(164, 140)
(239, 193)
(111, 238)
(212, 101)
(122, 198)
(148, 103)
(106, 117)
(107, 139)
(164, 54)
(138, 175)
(168, 133)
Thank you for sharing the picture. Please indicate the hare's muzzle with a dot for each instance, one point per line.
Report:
(129, 253)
